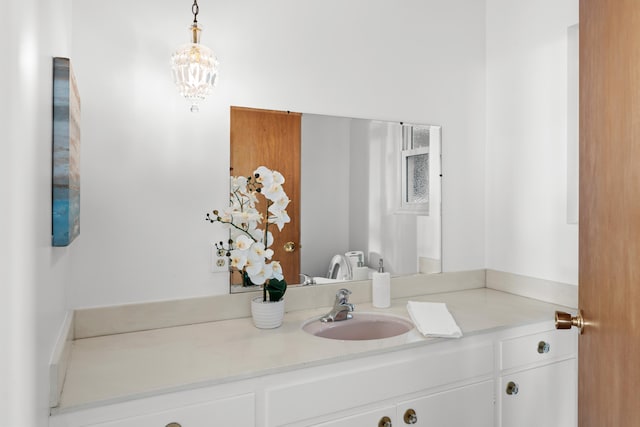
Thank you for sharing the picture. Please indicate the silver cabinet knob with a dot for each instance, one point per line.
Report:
(512, 388)
(543, 347)
(410, 416)
(385, 422)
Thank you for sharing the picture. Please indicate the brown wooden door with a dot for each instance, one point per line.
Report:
(272, 139)
(609, 271)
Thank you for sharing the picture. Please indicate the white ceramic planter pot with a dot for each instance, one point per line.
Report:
(267, 314)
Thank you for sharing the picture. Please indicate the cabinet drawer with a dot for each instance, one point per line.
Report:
(234, 411)
(369, 418)
(470, 405)
(539, 347)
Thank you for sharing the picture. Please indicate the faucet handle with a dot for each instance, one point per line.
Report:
(342, 296)
(307, 280)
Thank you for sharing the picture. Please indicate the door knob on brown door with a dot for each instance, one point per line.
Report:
(566, 321)
(289, 247)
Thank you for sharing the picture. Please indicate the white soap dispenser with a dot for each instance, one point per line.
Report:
(361, 272)
(381, 288)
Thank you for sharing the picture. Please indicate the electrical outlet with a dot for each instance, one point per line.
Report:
(219, 260)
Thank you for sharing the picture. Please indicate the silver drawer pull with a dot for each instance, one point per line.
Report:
(543, 347)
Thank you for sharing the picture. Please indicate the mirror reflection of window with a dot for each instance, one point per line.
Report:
(417, 179)
(415, 168)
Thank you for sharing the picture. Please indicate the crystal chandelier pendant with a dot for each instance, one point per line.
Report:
(194, 67)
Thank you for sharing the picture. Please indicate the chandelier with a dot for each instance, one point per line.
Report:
(194, 66)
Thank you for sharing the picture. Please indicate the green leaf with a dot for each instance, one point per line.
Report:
(276, 289)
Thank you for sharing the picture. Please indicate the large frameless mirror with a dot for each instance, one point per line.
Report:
(363, 190)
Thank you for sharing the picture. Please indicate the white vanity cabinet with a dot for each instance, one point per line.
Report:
(450, 380)
(225, 412)
(470, 405)
(538, 380)
(230, 411)
(512, 377)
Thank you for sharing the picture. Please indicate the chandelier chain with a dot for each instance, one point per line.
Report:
(195, 9)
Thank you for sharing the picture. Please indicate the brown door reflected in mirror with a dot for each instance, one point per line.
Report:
(272, 139)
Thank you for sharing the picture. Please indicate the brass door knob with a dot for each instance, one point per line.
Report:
(385, 422)
(410, 417)
(566, 321)
(173, 425)
(512, 388)
(289, 247)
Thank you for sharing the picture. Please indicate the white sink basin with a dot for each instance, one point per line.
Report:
(363, 326)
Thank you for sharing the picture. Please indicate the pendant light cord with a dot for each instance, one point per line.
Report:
(195, 9)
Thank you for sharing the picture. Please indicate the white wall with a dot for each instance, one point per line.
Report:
(151, 169)
(32, 273)
(526, 163)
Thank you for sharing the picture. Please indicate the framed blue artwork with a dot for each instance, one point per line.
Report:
(66, 154)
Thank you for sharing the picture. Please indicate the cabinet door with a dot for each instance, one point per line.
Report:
(365, 419)
(545, 396)
(470, 405)
(236, 411)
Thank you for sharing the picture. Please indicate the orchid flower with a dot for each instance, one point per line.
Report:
(259, 272)
(243, 243)
(238, 183)
(277, 270)
(250, 238)
(280, 219)
(238, 259)
(258, 250)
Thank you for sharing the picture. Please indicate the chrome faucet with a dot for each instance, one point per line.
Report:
(341, 308)
(340, 264)
(307, 280)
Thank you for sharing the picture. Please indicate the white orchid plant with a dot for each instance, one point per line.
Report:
(250, 238)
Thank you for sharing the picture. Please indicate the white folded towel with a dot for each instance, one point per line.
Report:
(433, 319)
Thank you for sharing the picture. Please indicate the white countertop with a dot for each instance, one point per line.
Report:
(115, 368)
